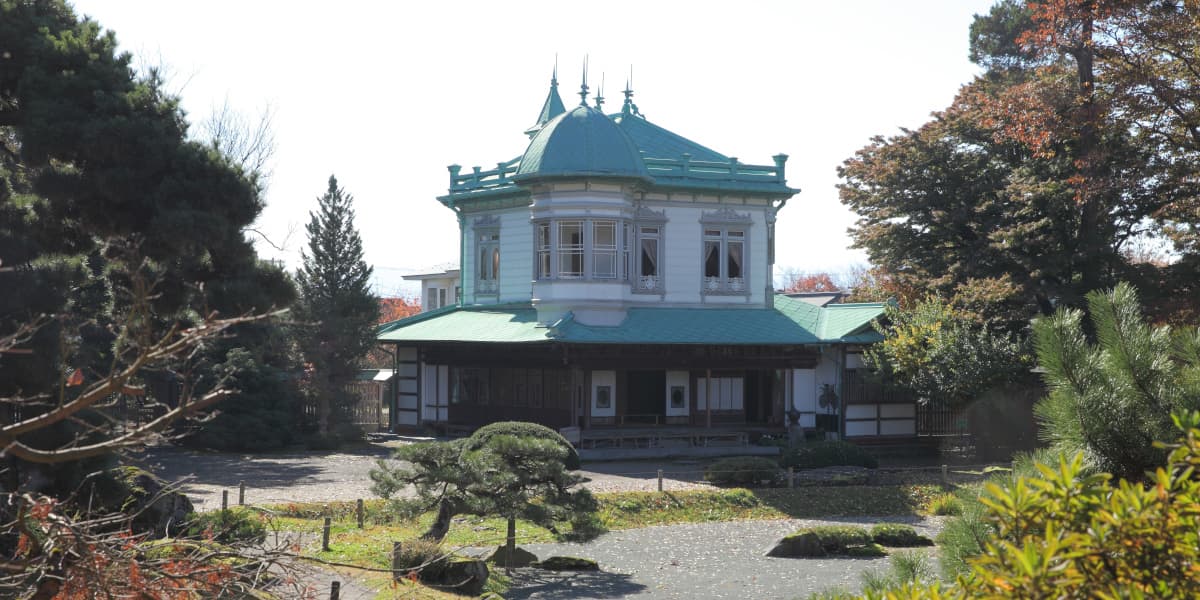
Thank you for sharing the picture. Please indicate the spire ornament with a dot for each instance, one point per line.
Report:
(600, 94)
(583, 87)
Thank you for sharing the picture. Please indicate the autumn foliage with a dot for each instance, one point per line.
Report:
(394, 309)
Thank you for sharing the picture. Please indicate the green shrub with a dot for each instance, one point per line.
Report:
(1066, 534)
(904, 568)
(234, 525)
(944, 505)
(741, 470)
(828, 454)
(898, 536)
(522, 429)
(417, 552)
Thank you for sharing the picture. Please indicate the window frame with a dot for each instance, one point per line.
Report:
(487, 271)
(725, 228)
(549, 253)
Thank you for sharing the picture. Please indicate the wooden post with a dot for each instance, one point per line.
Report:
(791, 477)
(241, 493)
(396, 561)
(708, 399)
(360, 513)
(335, 590)
(224, 499)
(660, 480)
(945, 474)
(325, 535)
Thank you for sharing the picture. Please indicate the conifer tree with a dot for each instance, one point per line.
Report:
(1113, 399)
(336, 304)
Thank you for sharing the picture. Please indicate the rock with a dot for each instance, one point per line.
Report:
(140, 494)
(460, 574)
(568, 563)
(807, 545)
(520, 557)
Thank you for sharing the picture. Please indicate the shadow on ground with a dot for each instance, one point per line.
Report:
(536, 583)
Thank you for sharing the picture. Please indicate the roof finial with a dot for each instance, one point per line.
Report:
(554, 75)
(583, 88)
(629, 108)
(600, 93)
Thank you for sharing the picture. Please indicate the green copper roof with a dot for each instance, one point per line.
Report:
(790, 322)
(655, 142)
(500, 323)
(581, 142)
(551, 108)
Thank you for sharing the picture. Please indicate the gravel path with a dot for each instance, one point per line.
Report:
(330, 476)
(705, 560)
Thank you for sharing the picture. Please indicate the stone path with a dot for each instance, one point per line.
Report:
(705, 560)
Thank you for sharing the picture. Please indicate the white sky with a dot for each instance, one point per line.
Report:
(385, 94)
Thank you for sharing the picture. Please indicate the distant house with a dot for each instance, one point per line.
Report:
(437, 289)
(619, 275)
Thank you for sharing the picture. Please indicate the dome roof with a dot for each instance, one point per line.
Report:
(581, 142)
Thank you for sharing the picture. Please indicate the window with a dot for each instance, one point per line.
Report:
(604, 249)
(727, 393)
(431, 302)
(580, 249)
(543, 251)
(570, 249)
(649, 260)
(724, 261)
(441, 297)
(487, 249)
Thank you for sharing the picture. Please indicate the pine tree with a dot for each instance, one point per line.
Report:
(1113, 399)
(336, 304)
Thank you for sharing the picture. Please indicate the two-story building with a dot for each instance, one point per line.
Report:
(616, 274)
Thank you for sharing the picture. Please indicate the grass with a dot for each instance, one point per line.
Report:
(371, 546)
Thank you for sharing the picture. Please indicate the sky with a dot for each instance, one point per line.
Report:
(385, 95)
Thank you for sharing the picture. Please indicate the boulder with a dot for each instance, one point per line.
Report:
(520, 557)
(568, 563)
(140, 494)
(459, 574)
(806, 545)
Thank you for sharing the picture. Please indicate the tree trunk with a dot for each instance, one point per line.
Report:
(441, 524)
(511, 543)
(1093, 256)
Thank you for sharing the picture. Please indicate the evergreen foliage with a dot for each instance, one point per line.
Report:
(482, 435)
(1112, 399)
(336, 305)
(742, 470)
(1065, 533)
(828, 454)
(516, 477)
(110, 218)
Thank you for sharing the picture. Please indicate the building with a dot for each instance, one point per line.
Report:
(618, 275)
(437, 289)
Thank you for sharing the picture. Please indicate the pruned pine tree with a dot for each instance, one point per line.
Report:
(1113, 399)
(511, 470)
(337, 307)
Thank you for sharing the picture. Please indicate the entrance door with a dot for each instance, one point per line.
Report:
(647, 397)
